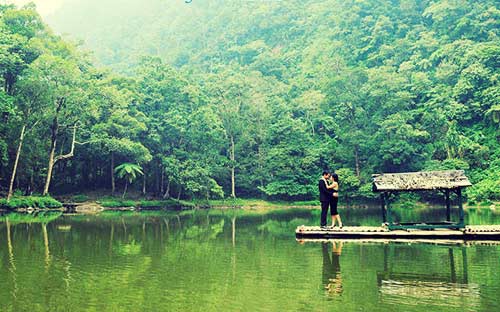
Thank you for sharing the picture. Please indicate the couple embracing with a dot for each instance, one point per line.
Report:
(329, 197)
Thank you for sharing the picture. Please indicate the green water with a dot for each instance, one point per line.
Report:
(234, 261)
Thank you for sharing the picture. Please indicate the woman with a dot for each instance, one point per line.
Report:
(334, 186)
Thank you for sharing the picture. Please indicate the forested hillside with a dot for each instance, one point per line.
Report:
(249, 98)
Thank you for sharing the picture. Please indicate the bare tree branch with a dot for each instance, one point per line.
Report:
(72, 150)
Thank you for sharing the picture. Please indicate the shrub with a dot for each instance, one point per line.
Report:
(165, 204)
(46, 202)
(117, 203)
(152, 204)
(80, 198)
(41, 202)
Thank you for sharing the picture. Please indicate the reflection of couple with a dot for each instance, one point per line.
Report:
(329, 197)
(332, 279)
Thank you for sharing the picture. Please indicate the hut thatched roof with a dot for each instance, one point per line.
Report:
(418, 181)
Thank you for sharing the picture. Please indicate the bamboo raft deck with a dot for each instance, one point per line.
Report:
(470, 232)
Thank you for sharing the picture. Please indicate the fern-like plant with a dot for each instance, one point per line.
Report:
(129, 172)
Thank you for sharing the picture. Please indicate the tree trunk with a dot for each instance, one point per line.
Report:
(162, 179)
(158, 180)
(113, 186)
(16, 162)
(144, 183)
(180, 192)
(52, 158)
(31, 184)
(125, 189)
(356, 158)
(53, 142)
(167, 191)
(232, 157)
(261, 168)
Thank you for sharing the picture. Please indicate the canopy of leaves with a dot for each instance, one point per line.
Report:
(274, 91)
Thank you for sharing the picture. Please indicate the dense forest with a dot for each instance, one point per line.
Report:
(217, 98)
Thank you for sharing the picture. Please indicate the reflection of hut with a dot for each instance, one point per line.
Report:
(451, 181)
(452, 285)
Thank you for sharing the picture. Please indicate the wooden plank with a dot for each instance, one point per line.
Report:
(363, 232)
(383, 241)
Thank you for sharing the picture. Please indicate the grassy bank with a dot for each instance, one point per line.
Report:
(110, 202)
(36, 202)
(135, 200)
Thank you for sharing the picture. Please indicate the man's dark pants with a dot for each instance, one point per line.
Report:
(324, 212)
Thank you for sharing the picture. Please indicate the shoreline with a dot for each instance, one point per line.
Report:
(96, 206)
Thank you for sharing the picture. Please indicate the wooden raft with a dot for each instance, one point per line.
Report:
(472, 232)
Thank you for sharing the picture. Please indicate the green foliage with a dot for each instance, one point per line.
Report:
(158, 204)
(80, 198)
(487, 184)
(406, 201)
(40, 202)
(348, 183)
(128, 171)
(255, 101)
(117, 203)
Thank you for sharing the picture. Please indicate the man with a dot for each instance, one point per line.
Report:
(325, 196)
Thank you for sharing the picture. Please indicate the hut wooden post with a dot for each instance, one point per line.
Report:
(387, 207)
(460, 207)
(382, 202)
(448, 206)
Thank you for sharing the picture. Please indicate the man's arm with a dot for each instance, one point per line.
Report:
(323, 188)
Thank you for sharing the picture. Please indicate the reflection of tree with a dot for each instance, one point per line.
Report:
(280, 227)
(124, 226)
(66, 266)
(27, 218)
(210, 232)
(12, 262)
(46, 245)
(233, 230)
(165, 220)
(111, 236)
(143, 231)
(332, 278)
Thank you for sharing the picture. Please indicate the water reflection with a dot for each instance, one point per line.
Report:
(12, 263)
(228, 260)
(332, 277)
(449, 281)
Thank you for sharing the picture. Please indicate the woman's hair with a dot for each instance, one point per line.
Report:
(335, 177)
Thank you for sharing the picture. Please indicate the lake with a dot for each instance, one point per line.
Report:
(235, 260)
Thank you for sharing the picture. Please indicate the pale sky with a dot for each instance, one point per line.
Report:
(45, 7)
